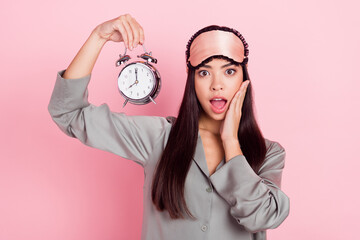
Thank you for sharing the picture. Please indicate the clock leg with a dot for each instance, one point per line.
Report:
(125, 102)
(152, 100)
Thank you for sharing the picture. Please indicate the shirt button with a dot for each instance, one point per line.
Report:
(204, 228)
(209, 189)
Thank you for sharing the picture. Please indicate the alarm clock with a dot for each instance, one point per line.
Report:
(139, 82)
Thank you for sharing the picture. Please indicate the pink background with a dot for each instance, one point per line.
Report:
(304, 63)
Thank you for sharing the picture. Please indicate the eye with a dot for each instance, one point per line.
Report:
(230, 71)
(203, 73)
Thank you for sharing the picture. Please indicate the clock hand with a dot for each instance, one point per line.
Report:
(132, 84)
(135, 83)
(136, 79)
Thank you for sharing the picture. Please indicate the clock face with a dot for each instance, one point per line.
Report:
(136, 81)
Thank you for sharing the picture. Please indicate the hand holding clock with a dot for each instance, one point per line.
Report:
(147, 79)
(122, 29)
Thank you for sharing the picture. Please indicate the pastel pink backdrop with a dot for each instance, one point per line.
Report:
(304, 62)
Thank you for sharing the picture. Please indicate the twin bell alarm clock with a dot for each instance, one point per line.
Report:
(139, 82)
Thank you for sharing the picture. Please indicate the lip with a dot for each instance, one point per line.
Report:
(218, 110)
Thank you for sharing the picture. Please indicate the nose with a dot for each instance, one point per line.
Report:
(216, 84)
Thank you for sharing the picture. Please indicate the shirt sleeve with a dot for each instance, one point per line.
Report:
(256, 201)
(131, 137)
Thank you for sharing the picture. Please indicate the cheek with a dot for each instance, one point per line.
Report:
(235, 86)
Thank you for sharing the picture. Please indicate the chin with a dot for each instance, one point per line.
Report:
(217, 117)
(208, 113)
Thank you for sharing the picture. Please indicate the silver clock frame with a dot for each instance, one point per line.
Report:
(155, 74)
(154, 91)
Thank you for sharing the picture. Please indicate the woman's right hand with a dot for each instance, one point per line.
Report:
(122, 29)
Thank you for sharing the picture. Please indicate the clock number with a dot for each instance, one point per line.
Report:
(130, 71)
(137, 94)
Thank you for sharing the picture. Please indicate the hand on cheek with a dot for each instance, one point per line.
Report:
(230, 125)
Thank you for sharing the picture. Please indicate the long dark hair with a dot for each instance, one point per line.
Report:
(169, 179)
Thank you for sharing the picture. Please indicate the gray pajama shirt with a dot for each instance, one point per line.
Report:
(233, 203)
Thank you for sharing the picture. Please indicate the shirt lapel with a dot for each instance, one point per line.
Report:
(199, 157)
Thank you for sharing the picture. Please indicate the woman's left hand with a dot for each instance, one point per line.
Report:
(230, 125)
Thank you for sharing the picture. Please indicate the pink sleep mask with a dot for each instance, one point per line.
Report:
(213, 43)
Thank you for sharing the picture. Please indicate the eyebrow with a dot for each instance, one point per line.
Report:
(226, 65)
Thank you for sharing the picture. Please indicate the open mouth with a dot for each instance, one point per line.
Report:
(218, 104)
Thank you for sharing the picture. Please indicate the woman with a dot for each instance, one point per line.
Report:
(209, 173)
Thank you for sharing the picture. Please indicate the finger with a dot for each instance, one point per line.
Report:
(237, 98)
(233, 101)
(232, 108)
(128, 31)
(138, 32)
(242, 94)
(120, 27)
(133, 30)
(142, 36)
(238, 102)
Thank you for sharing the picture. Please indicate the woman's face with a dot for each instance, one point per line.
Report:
(215, 85)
